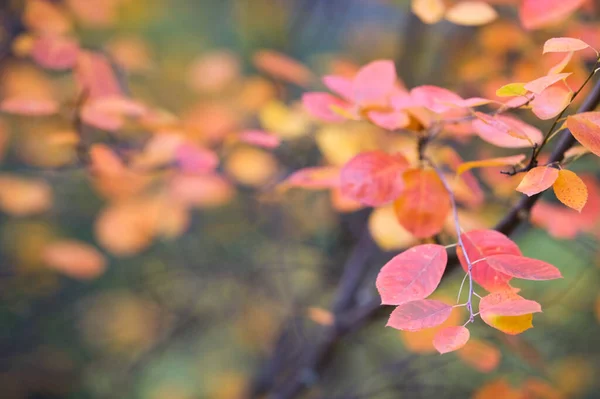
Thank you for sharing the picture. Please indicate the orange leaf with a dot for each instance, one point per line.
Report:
(585, 127)
(537, 180)
(481, 355)
(539, 85)
(424, 204)
(497, 389)
(551, 102)
(75, 259)
(492, 162)
(570, 190)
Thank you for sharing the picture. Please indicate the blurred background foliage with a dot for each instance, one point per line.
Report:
(192, 311)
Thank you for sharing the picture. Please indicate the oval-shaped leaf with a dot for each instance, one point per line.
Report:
(418, 315)
(429, 11)
(523, 267)
(508, 312)
(551, 102)
(471, 13)
(512, 90)
(585, 127)
(424, 204)
(320, 105)
(480, 244)
(316, 178)
(539, 85)
(537, 180)
(451, 338)
(373, 178)
(412, 275)
(564, 45)
(535, 14)
(481, 355)
(570, 190)
(506, 131)
(374, 82)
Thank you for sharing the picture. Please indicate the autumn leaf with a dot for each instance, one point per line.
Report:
(508, 312)
(539, 85)
(570, 190)
(537, 180)
(424, 204)
(479, 244)
(471, 13)
(552, 101)
(535, 14)
(451, 338)
(418, 315)
(523, 267)
(429, 11)
(564, 45)
(512, 90)
(373, 178)
(412, 275)
(506, 131)
(481, 355)
(75, 259)
(492, 162)
(585, 127)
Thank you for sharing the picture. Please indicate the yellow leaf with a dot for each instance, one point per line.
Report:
(512, 324)
(570, 190)
(387, 232)
(512, 90)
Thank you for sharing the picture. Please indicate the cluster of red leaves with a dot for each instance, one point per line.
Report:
(423, 200)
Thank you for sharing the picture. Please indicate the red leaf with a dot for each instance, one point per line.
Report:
(451, 338)
(483, 243)
(424, 204)
(412, 275)
(373, 178)
(537, 180)
(418, 315)
(585, 127)
(522, 267)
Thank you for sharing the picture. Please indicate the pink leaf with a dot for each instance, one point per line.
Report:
(374, 83)
(412, 275)
(506, 131)
(451, 338)
(389, 120)
(436, 99)
(507, 303)
(536, 14)
(539, 85)
(340, 86)
(564, 45)
(259, 138)
(373, 178)
(320, 106)
(418, 315)
(537, 180)
(193, 159)
(54, 52)
(482, 243)
(551, 102)
(522, 267)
